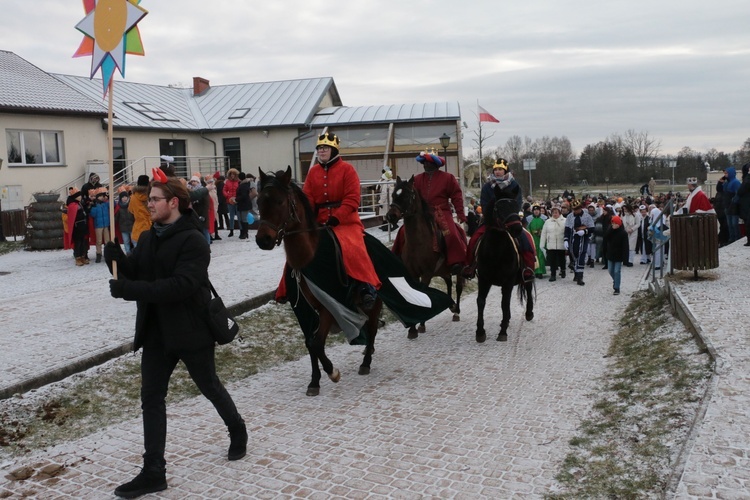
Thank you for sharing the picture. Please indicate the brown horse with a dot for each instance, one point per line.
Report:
(419, 255)
(286, 216)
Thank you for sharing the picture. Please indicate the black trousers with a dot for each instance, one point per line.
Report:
(157, 365)
(555, 260)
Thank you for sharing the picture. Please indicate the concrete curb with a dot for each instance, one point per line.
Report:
(682, 310)
(101, 357)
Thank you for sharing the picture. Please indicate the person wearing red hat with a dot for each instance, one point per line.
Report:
(615, 248)
(438, 188)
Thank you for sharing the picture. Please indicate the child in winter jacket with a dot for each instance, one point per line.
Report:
(100, 214)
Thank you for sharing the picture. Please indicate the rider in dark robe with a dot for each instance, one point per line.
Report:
(438, 188)
(508, 188)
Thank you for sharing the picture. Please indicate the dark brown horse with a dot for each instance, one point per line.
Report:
(419, 255)
(499, 263)
(286, 216)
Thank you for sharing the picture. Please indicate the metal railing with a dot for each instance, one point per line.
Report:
(369, 204)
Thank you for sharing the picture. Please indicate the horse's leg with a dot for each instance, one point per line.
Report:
(313, 389)
(422, 326)
(529, 289)
(484, 289)
(507, 294)
(372, 330)
(459, 289)
(326, 321)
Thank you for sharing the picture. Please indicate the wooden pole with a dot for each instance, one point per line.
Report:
(110, 144)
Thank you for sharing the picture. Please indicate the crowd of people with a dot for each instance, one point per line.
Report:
(220, 201)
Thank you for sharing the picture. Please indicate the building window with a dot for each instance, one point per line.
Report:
(34, 147)
(151, 111)
(232, 152)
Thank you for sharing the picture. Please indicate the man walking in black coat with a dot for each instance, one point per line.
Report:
(615, 248)
(167, 274)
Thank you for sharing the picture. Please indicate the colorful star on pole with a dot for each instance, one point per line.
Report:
(110, 32)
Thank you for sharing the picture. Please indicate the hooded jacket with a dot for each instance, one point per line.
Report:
(141, 215)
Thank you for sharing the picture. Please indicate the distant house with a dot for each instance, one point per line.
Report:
(54, 127)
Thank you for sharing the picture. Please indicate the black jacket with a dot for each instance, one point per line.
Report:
(168, 277)
(245, 194)
(615, 245)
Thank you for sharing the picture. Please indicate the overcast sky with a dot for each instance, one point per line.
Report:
(677, 69)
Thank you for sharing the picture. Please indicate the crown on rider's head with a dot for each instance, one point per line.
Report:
(693, 181)
(500, 163)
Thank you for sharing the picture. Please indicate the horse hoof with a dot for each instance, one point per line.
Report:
(422, 329)
(502, 337)
(529, 316)
(335, 375)
(412, 334)
(456, 318)
(313, 391)
(481, 337)
(364, 370)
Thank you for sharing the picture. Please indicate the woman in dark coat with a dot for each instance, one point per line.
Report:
(615, 248)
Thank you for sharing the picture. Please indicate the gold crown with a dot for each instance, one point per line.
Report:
(328, 139)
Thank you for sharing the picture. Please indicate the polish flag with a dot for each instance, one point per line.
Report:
(485, 116)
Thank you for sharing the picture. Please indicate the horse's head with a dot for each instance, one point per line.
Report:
(282, 208)
(403, 199)
(505, 213)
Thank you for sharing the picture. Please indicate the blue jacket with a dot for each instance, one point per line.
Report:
(733, 183)
(100, 213)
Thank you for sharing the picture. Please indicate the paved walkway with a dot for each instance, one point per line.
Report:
(441, 416)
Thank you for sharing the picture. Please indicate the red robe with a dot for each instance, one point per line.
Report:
(699, 202)
(437, 188)
(339, 185)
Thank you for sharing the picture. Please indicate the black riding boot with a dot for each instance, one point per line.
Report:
(238, 441)
(579, 279)
(554, 275)
(243, 230)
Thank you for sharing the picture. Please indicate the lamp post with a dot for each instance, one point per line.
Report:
(606, 179)
(445, 141)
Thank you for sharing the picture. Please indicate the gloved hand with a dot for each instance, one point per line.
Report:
(580, 232)
(112, 252)
(117, 288)
(332, 221)
(566, 245)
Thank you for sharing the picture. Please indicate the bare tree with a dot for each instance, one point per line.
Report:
(645, 148)
(479, 142)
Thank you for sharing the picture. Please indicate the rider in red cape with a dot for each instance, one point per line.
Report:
(332, 186)
(437, 188)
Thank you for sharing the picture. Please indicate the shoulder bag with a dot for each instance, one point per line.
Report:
(223, 326)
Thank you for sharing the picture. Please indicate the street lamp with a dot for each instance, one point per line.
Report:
(672, 165)
(445, 141)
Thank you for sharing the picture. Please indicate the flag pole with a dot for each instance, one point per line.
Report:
(110, 142)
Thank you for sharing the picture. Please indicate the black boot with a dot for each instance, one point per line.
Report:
(238, 441)
(579, 279)
(216, 235)
(231, 233)
(368, 295)
(98, 258)
(562, 273)
(554, 275)
(148, 481)
(243, 230)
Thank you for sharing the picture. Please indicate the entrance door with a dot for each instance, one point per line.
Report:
(177, 149)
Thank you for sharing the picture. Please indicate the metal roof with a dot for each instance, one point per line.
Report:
(387, 113)
(26, 88)
(246, 105)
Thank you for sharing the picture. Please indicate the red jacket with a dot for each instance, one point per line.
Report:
(334, 191)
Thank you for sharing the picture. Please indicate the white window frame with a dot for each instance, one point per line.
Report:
(58, 134)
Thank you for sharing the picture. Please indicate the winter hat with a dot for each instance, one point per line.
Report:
(428, 157)
(124, 194)
(142, 180)
(217, 174)
(617, 220)
(195, 178)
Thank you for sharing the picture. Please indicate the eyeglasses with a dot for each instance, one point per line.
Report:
(154, 199)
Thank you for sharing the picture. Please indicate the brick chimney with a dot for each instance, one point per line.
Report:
(200, 85)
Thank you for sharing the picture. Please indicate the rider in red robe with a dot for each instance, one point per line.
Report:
(437, 188)
(332, 186)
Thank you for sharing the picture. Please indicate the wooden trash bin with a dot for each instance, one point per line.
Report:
(694, 242)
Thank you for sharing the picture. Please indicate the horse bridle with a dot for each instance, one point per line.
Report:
(503, 223)
(281, 231)
(412, 202)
